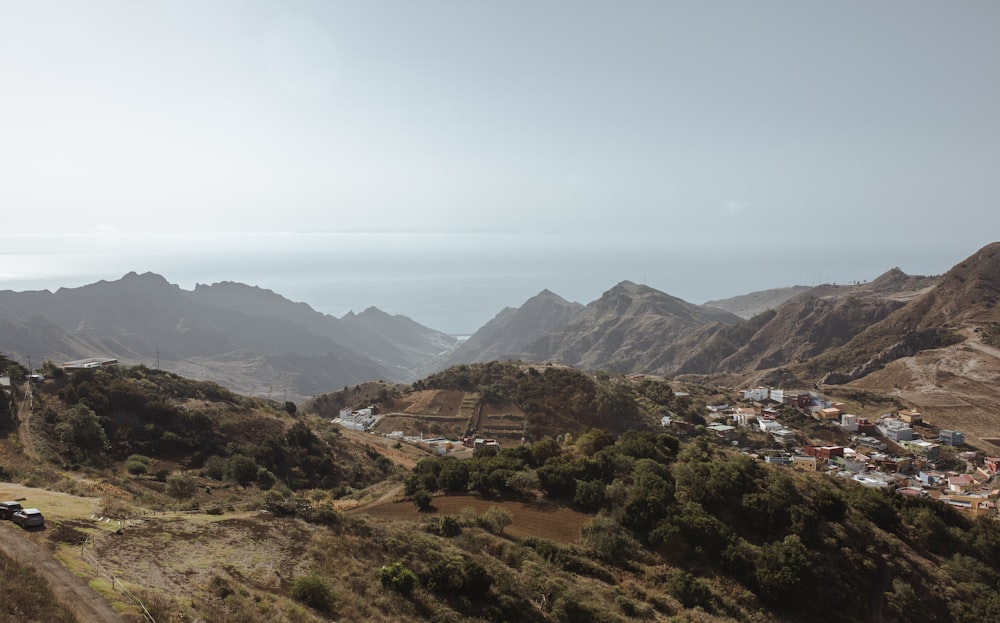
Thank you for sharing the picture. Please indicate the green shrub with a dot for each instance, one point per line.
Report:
(398, 578)
(136, 468)
(180, 486)
(314, 592)
(449, 526)
(689, 590)
(242, 469)
(422, 498)
(494, 519)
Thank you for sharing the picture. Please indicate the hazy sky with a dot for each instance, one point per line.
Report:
(334, 150)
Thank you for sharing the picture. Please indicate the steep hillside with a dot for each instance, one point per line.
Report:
(241, 336)
(965, 297)
(102, 418)
(626, 330)
(398, 344)
(802, 328)
(749, 305)
(509, 333)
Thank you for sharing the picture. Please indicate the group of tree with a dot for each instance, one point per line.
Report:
(98, 417)
(783, 535)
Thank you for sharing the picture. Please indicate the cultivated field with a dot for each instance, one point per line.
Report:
(546, 520)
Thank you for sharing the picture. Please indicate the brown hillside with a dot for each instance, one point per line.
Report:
(627, 329)
(966, 295)
(932, 352)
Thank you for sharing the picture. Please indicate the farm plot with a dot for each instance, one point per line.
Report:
(431, 412)
(542, 519)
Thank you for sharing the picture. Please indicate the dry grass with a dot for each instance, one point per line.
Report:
(27, 597)
(56, 506)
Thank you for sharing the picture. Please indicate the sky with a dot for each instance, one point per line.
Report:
(445, 159)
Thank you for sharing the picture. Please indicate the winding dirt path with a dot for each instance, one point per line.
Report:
(72, 591)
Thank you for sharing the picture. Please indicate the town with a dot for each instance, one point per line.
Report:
(899, 450)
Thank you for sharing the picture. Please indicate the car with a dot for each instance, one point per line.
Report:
(29, 518)
(7, 509)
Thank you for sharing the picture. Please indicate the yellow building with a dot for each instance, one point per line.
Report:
(805, 463)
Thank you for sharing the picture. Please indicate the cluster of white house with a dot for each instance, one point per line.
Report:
(869, 462)
(443, 445)
(362, 419)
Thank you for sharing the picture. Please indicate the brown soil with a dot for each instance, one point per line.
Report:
(546, 520)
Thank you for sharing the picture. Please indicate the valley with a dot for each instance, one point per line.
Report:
(599, 462)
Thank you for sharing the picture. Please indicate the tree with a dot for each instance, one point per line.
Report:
(454, 475)
(422, 499)
(594, 440)
(242, 469)
(590, 494)
(82, 429)
(495, 519)
(784, 573)
(557, 478)
(607, 539)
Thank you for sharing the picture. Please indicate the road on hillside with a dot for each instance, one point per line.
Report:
(71, 591)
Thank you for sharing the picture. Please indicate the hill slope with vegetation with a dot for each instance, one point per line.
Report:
(672, 529)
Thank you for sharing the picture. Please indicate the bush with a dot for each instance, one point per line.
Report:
(449, 526)
(242, 469)
(314, 592)
(265, 479)
(494, 519)
(180, 486)
(398, 578)
(422, 499)
(690, 590)
(136, 468)
(607, 539)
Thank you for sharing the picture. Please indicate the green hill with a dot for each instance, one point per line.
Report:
(672, 529)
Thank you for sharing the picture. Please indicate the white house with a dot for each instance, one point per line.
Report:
(767, 426)
(783, 436)
(757, 394)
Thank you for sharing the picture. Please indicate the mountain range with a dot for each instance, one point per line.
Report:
(254, 340)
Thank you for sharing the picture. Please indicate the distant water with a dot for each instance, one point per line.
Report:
(450, 282)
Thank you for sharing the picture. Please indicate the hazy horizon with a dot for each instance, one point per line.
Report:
(458, 285)
(446, 159)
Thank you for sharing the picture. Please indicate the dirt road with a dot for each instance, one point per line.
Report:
(71, 591)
